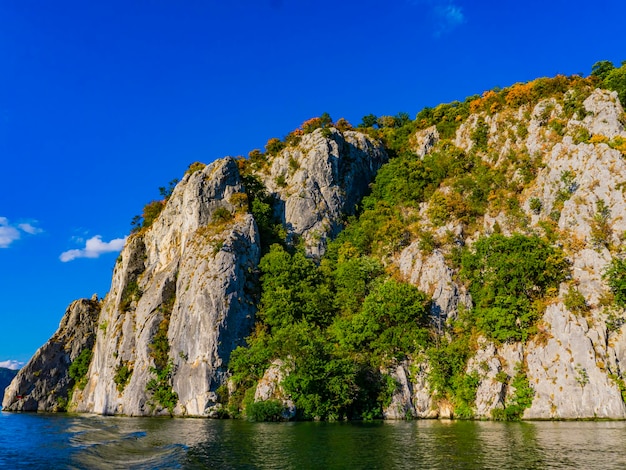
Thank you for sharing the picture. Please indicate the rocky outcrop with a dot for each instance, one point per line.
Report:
(570, 372)
(413, 397)
(44, 383)
(321, 181)
(186, 282)
(182, 296)
(605, 114)
(433, 276)
(269, 388)
(425, 140)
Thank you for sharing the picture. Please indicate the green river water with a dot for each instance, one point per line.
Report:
(61, 441)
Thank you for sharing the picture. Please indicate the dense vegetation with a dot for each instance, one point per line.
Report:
(159, 388)
(507, 276)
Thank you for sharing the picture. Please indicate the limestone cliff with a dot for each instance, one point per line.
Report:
(575, 366)
(182, 297)
(180, 302)
(185, 289)
(45, 382)
(321, 181)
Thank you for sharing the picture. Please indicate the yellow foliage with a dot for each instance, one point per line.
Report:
(386, 121)
(490, 102)
(598, 139)
(475, 105)
(347, 251)
(519, 94)
(240, 201)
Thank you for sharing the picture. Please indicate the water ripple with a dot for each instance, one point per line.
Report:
(37, 441)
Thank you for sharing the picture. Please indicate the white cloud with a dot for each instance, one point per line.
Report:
(13, 365)
(452, 13)
(449, 17)
(29, 228)
(10, 233)
(94, 247)
(447, 14)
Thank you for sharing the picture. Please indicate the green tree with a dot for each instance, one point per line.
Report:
(393, 322)
(402, 119)
(79, 367)
(151, 211)
(505, 275)
(326, 120)
(166, 191)
(321, 383)
(353, 278)
(293, 288)
(274, 146)
(616, 80)
(448, 362)
(369, 121)
(601, 69)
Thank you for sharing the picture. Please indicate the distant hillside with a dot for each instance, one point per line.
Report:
(6, 375)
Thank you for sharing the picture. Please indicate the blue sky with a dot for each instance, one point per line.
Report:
(101, 103)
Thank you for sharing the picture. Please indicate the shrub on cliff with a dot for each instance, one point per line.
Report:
(615, 277)
(293, 289)
(506, 275)
(79, 368)
(392, 323)
(611, 78)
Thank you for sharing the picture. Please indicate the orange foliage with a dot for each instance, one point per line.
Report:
(476, 105)
(490, 101)
(241, 163)
(519, 94)
(311, 124)
(343, 125)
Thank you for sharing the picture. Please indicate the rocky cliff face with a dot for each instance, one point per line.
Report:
(180, 302)
(45, 383)
(575, 365)
(182, 296)
(321, 181)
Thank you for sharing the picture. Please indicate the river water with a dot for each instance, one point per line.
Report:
(49, 441)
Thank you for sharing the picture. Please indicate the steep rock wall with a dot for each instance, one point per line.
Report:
(44, 383)
(321, 181)
(191, 274)
(575, 365)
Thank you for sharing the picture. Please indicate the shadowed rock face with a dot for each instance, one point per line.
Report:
(45, 380)
(6, 376)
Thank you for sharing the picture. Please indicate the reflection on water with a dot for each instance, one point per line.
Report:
(92, 442)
